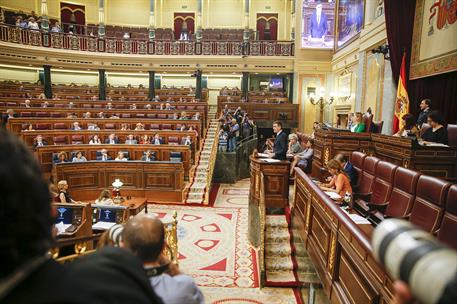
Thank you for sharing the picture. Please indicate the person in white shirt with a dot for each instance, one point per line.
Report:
(120, 157)
(33, 25)
(79, 157)
(76, 126)
(131, 140)
(156, 140)
(186, 141)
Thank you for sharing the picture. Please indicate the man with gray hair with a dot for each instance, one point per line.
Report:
(144, 235)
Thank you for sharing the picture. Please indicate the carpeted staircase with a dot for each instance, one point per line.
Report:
(285, 265)
(198, 192)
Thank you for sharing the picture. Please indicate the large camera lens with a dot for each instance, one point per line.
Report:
(415, 257)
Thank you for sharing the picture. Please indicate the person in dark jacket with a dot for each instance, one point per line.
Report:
(280, 144)
(347, 168)
(437, 133)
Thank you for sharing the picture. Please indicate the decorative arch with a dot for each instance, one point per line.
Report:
(179, 19)
(267, 26)
(73, 14)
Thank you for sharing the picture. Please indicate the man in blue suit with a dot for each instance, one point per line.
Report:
(280, 144)
(318, 26)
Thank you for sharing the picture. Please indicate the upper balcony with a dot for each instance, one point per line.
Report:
(132, 46)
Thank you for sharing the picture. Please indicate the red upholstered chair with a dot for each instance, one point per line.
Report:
(151, 115)
(60, 126)
(162, 116)
(60, 140)
(57, 114)
(173, 140)
(110, 126)
(428, 207)
(155, 127)
(42, 126)
(364, 190)
(77, 139)
(123, 115)
(98, 106)
(200, 108)
(448, 228)
(381, 190)
(166, 126)
(377, 126)
(452, 135)
(59, 105)
(11, 104)
(42, 114)
(26, 114)
(119, 106)
(190, 107)
(356, 160)
(181, 107)
(139, 115)
(87, 105)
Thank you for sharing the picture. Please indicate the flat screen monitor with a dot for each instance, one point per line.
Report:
(107, 215)
(64, 215)
(276, 84)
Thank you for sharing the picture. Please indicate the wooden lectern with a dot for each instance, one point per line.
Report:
(276, 178)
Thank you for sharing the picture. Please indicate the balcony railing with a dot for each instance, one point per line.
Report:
(65, 41)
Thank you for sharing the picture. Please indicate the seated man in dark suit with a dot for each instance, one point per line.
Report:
(39, 142)
(112, 139)
(280, 144)
(148, 156)
(28, 274)
(348, 168)
(103, 155)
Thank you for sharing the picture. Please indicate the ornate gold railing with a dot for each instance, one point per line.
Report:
(40, 38)
(211, 163)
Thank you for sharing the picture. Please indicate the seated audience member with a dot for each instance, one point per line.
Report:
(72, 115)
(132, 106)
(161, 107)
(114, 116)
(45, 104)
(145, 140)
(409, 127)
(33, 25)
(294, 145)
(56, 27)
(112, 139)
(39, 142)
(340, 182)
(347, 168)
(61, 158)
(131, 140)
(425, 107)
(196, 116)
(27, 103)
(168, 106)
(183, 116)
(64, 196)
(71, 105)
(79, 157)
(87, 115)
(109, 106)
(125, 127)
(104, 198)
(9, 114)
(304, 157)
(145, 236)
(93, 127)
(95, 140)
(148, 156)
(76, 126)
(55, 97)
(148, 107)
(437, 133)
(175, 116)
(183, 128)
(120, 156)
(139, 127)
(157, 140)
(103, 155)
(187, 141)
(358, 126)
(94, 98)
(101, 115)
(28, 127)
(316, 127)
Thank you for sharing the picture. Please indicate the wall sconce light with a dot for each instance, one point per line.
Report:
(321, 101)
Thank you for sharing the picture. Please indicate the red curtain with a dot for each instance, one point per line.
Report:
(179, 19)
(262, 20)
(441, 89)
(73, 14)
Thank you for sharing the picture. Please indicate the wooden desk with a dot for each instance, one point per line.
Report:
(340, 249)
(276, 178)
(435, 161)
(162, 181)
(45, 154)
(135, 205)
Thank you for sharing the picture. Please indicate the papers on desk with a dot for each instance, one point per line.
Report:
(271, 160)
(103, 225)
(432, 144)
(61, 227)
(357, 219)
(333, 195)
(262, 155)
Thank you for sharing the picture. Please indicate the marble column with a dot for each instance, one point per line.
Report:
(47, 81)
(152, 22)
(152, 89)
(246, 20)
(198, 85)
(44, 16)
(199, 20)
(101, 85)
(245, 85)
(292, 20)
(291, 87)
(101, 18)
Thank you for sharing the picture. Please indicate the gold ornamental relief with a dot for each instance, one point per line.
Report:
(331, 257)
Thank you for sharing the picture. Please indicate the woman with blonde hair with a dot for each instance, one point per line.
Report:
(64, 196)
(104, 198)
(339, 182)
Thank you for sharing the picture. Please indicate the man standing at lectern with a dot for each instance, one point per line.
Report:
(280, 144)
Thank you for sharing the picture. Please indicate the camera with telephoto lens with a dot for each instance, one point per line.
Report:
(417, 258)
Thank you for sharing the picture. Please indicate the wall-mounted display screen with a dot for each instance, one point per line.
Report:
(350, 21)
(276, 84)
(318, 20)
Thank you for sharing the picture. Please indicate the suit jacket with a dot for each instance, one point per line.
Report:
(423, 115)
(153, 141)
(101, 157)
(35, 144)
(151, 158)
(116, 140)
(352, 173)
(280, 146)
(317, 30)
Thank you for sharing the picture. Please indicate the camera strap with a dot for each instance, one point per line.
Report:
(155, 271)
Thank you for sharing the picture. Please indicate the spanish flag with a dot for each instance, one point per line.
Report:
(402, 101)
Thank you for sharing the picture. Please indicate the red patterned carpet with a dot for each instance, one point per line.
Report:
(213, 246)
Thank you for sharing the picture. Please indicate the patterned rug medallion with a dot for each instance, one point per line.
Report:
(213, 246)
(251, 296)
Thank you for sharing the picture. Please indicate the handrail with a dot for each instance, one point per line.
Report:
(13, 34)
(212, 161)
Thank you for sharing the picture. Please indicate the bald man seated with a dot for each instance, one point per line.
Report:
(144, 235)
